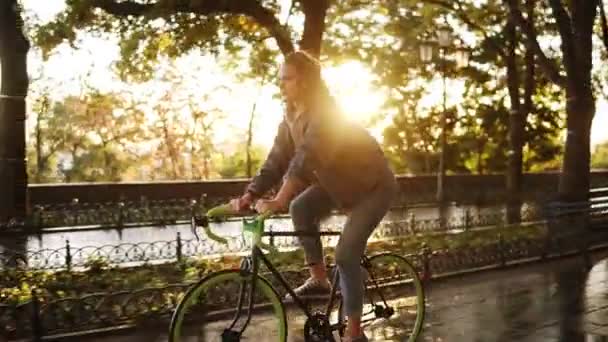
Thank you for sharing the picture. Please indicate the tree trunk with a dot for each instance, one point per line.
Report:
(575, 27)
(171, 151)
(206, 172)
(14, 47)
(68, 173)
(109, 173)
(515, 132)
(518, 117)
(480, 146)
(39, 158)
(574, 180)
(249, 141)
(314, 25)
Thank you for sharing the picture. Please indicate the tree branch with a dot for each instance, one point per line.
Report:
(44, 159)
(123, 8)
(290, 12)
(254, 9)
(604, 24)
(548, 66)
(461, 13)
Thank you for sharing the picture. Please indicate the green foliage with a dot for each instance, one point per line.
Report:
(42, 154)
(463, 241)
(477, 127)
(83, 138)
(96, 265)
(149, 31)
(182, 131)
(234, 165)
(181, 145)
(411, 140)
(167, 133)
(599, 158)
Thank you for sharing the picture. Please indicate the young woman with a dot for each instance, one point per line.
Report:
(324, 161)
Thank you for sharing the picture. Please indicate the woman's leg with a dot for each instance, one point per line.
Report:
(362, 220)
(307, 210)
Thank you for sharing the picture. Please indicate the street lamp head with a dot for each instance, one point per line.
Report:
(462, 57)
(426, 52)
(444, 36)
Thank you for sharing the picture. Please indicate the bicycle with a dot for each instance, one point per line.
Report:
(203, 314)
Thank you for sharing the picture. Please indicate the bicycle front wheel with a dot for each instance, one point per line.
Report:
(222, 308)
(395, 302)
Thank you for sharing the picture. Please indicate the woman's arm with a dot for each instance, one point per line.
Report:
(276, 163)
(290, 188)
(317, 147)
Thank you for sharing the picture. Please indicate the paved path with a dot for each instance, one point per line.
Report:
(553, 301)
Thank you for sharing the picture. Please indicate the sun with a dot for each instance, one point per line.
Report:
(352, 85)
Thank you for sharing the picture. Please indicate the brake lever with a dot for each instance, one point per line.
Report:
(195, 222)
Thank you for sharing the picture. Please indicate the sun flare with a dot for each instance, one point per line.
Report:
(352, 85)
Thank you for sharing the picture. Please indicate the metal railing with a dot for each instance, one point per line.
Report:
(130, 254)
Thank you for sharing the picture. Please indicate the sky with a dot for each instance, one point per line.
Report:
(351, 83)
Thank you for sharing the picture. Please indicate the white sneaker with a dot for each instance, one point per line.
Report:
(312, 287)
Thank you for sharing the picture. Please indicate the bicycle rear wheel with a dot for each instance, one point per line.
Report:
(217, 309)
(394, 306)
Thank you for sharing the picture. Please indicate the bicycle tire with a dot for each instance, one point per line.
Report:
(209, 286)
(402, 277)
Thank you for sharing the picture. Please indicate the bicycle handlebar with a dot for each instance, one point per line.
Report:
(254, 226)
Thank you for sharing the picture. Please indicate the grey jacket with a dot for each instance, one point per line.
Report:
(323, 147)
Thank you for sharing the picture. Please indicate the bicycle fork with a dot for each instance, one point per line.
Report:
(383, 310)
(249, 266)
(340, 325)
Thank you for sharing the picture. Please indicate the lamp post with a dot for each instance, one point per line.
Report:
(444, 43)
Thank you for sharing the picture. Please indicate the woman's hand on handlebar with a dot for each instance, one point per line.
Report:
(272, 206)
(242, 204)
(245, 203)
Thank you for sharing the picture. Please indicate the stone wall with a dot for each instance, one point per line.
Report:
(414, 189)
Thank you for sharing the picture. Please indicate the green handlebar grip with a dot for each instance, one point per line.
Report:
(264, 216)
(218, 212)
(221, 211)
(215, 237)
(256, 227)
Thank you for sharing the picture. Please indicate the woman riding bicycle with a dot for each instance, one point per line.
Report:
(324, 162)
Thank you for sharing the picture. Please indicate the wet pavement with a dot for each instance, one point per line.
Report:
(552, 301)
(557, 301)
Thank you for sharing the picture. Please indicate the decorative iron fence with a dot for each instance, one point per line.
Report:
(69, 257)
(37, 318)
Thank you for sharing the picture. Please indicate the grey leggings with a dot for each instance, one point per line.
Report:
(313, 204)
